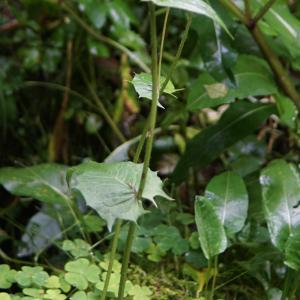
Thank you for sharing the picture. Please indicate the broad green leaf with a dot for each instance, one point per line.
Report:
(95, 11)
(198, 97)
(212, 235)
(228, 195)
(252, 78)
(240, 120)
(280, 183)
(142, 83)
(216, 90)
(280, 22)
(195, 6)
(111, 188)
(44, 182)
(292, 253)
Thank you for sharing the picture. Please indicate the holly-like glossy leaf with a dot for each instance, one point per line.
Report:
(280, 183)
(44, 182)
(212, 235)
(228, 195)
(142, 83)
(111, 188)
(240, 120)
(195, 6)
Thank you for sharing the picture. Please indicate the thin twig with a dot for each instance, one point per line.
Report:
(178, 53)
(105, 39)
(268, 52)
(263, 11)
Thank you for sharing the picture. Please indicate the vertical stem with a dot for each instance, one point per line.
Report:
(276, 66)
(162, 43)
(215, 274)
(178, 54)
(247, 9)
(119, 224)
(268, 52)
(104, 39)
(152, 122)
(263, 11)
(125, 261)
(111, 258)
(102, 108)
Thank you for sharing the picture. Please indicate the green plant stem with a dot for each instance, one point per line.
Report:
(178, 53)
(141, 143)
(247, 9)
(102, 108)
(291, 284)
(235, 10)
(4, 256)
(119, 222)
(60, 87)
(268, 52)
(105, 39)
(263, 11)
(111, 258)
(97, 106)
(277, 67)
(215, 274)
(162, 43)
(152, 122)
(125, 260)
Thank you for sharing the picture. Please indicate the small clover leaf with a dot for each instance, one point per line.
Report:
(93, 223)
(155, 253)
(77, 280)
(53, 282)
(78, 248)
(64, 285)
(116, 265)
(5, 296)
(36, 293)
(54, 294)
(169, 238)
(140, 292)
(80, 295)
(80, 272)
(31, 276)
(113, 284)
(7, 277)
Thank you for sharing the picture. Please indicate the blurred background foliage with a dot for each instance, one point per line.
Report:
(66, 95)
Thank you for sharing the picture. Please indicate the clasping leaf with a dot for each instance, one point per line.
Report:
(111, 188)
